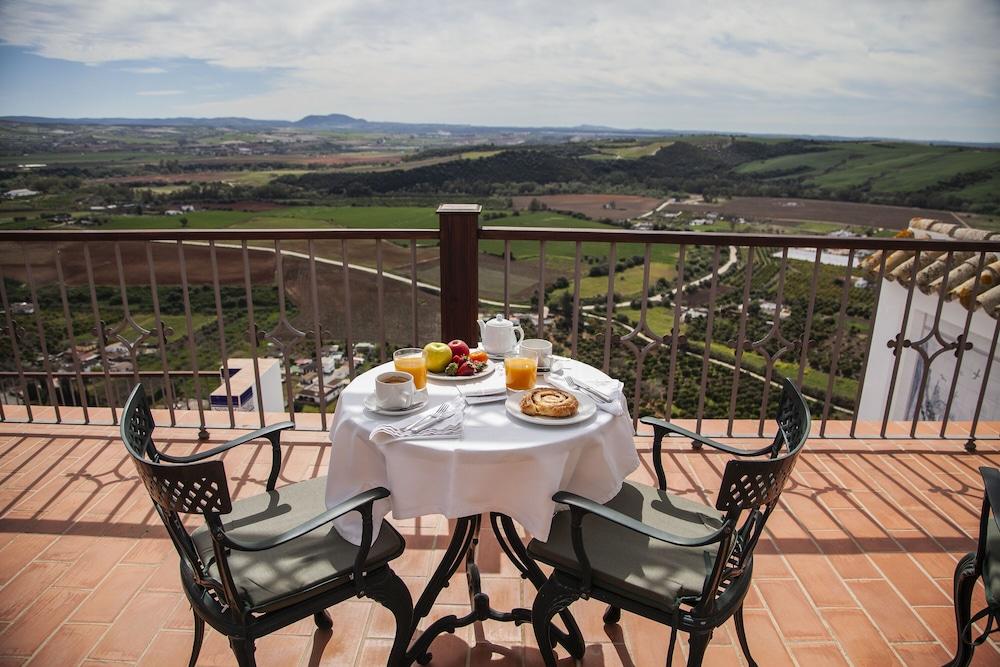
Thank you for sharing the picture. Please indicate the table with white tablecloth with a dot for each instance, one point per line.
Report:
(500, 466)
(459, 477)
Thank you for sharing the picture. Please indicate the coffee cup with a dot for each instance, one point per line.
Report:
(394, 391)
(540, 349)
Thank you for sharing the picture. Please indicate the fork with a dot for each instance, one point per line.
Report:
(429, 420)
(586, 388)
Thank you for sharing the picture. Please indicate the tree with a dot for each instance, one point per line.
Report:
(184, 221)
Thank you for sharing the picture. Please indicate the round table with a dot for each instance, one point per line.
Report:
(500, 467)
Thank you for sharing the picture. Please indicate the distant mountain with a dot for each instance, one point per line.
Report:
(337, 121)
(332, 121)
(345, 123)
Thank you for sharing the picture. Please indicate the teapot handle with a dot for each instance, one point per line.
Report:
(518, 338)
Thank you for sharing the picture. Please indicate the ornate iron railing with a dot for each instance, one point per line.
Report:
(318, 288)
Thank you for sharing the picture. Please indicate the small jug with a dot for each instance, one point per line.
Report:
(499, 335)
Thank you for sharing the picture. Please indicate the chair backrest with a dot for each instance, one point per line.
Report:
(751, 487)
(184, 488)
(751, 484)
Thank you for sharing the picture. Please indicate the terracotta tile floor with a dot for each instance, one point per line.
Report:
(856, 569)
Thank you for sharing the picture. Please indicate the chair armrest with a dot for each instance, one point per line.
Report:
(354, 504)
(661, 428)
(272, 433)
(991, 481)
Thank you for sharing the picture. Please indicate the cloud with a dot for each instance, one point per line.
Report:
(159, 93)
(661, 64)
(143, 70)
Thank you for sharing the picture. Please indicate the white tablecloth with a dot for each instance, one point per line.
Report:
(500, 464)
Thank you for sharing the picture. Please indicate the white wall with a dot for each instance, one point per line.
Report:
(888, 321)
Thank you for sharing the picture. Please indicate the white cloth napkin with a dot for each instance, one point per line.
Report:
(612, 388)
(446, 424)
(486, 392)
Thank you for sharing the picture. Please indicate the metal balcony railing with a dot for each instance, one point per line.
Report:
(88, 313)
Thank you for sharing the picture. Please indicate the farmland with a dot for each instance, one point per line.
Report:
(812, 210)
(594, 206)
(232, 179)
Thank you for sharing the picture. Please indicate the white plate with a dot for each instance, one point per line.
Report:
(420, 396)
(586, 410)
(486, 372)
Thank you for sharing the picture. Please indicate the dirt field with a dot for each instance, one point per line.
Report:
(593, 206)
(170, 179)
(795, 210)
(329, 279)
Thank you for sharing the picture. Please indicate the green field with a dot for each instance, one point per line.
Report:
(401, 217)
(659, 319)
(632, 151)
(628, 283)
(885, 167)
(196, 220)
(176, 322)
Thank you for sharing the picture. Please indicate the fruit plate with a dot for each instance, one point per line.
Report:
(586, 410)
(486, 372)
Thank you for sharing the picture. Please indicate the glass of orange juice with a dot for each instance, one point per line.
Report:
(412, 360)
(521, 370)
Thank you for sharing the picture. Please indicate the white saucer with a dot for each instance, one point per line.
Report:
(419, 404)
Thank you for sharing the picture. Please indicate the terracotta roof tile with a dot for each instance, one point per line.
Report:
(933, 270)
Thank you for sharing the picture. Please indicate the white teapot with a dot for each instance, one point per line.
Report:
(499, 335)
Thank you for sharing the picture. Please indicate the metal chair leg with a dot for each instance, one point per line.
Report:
(323, 620)
(243, 649)
(697, 644)
(965, 583)
(199, 637)
(612, 615)
(388, 590)
(551, 598)
(741, 633)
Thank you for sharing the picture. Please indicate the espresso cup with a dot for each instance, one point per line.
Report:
(394, 391)
(540, 349)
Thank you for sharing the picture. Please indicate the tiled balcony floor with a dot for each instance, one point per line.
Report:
(856, 569)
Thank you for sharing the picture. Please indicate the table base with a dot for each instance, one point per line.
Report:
(464, 544)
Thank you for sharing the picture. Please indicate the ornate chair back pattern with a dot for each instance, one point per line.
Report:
(137, 426)
(188, 488)
(754, 486)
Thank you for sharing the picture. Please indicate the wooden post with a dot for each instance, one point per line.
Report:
(459, 225)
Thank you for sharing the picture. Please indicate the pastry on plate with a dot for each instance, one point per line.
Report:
(549, 402)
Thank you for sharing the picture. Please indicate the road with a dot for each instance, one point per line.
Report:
(730, 263)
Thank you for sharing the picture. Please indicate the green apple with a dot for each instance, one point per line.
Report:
(438, 356)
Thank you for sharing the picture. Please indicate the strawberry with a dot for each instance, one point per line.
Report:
(457, 360)
(466, 369)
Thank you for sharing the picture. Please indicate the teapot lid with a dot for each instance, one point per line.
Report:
(499, 321)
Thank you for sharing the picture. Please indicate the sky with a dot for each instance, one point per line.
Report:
(912, 69)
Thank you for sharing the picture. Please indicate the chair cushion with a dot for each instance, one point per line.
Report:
(631, 564)
(991, 562)
(296, 570)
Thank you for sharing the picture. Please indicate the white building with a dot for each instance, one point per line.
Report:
(929, 278)
(243, 386)
(20, 192)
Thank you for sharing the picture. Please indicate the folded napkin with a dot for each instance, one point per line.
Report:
(609, 388)
(484, 393)
(445, 421)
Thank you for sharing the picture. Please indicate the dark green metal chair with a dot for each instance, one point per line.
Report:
(664, 557)
(983, 564)
(265, 562)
